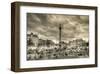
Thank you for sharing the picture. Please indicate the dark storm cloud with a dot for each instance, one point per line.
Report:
(46, 25)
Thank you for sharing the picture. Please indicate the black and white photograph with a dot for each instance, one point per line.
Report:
(57, 36)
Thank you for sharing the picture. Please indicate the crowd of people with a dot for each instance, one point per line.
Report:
(57, 53)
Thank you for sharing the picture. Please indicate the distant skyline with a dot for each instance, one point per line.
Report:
(47, 26)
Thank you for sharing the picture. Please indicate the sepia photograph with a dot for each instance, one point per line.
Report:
(57, 36)
(53, 36)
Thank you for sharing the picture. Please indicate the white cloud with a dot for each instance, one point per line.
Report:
(47, 25)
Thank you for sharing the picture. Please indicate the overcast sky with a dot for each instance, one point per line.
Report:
(46, 26)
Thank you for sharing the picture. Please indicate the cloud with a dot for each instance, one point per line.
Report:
(47, 25)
